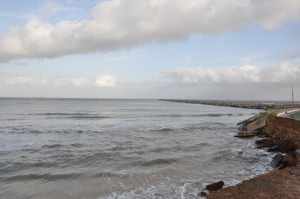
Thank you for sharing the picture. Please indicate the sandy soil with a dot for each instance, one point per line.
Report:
(278, 184)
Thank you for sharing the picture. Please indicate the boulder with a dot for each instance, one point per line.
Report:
(277, 160)
(282, 161)
(215, 186)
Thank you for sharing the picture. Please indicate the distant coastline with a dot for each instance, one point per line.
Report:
(264, 105)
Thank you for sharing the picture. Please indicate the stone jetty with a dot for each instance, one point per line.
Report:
(265, 105)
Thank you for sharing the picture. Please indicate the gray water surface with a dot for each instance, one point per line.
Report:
(94, 149)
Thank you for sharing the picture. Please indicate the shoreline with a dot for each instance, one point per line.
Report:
(277, 134)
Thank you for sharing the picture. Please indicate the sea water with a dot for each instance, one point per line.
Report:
(120, 149)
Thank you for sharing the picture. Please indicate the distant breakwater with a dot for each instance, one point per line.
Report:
(264, 105)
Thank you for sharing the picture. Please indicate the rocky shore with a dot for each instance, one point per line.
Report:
(280, 135)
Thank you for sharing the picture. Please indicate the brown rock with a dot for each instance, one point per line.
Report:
(246, 134)
(215, 186)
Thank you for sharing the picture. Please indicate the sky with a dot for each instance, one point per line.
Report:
(200, 49)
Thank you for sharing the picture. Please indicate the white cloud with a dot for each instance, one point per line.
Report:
(284, 73)
(106, 81)
(243, 82)
(18, 80)
(10, 79)
(118, 24)
(71, 81)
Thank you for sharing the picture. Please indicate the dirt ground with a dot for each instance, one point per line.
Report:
(277, 184)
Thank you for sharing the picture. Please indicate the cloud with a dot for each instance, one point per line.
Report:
(245, 82)
(284, 73)
(248, 82)
(106, 81)
(18, 80)
(71, 81)
(10, 79)
(23, 80)
(119, 24)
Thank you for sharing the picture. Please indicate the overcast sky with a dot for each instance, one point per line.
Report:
(208, 49)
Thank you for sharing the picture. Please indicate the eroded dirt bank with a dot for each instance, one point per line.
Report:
(277, 184)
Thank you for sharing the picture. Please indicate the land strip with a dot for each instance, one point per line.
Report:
(240, 104)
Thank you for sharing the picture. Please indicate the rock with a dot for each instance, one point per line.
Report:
(290, 160)
(254, 124)
(215, 186)
(283, 146)
(274, 148)
(246, 134)
(282, 161)
(264, 143)
(202, 194)
(277, 160)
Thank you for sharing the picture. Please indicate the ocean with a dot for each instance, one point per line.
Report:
(121, 149)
